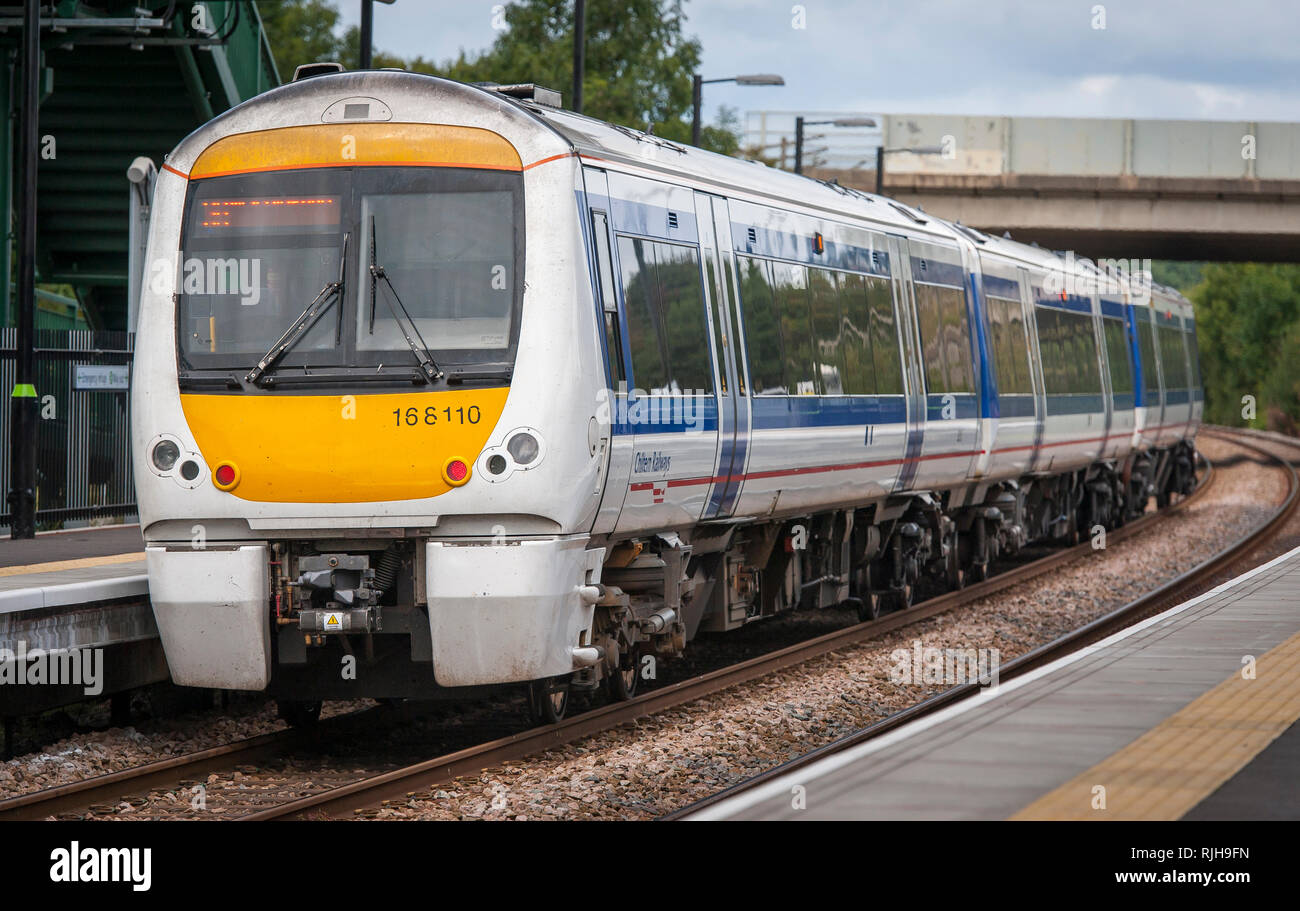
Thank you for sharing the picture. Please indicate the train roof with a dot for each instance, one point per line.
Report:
(601, 141)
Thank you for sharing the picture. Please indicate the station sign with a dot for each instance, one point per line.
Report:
(101, 377)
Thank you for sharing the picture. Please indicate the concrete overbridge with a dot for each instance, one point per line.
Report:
(1105, 188)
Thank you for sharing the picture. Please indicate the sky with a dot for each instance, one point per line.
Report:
(1197, 59)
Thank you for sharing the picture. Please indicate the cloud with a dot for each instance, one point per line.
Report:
(1199, 59)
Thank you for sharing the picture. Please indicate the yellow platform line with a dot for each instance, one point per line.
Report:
(1181, 761)
(80, 563)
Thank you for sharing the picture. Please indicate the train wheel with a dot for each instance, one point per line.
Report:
(298, 714)
(898, 598)
(956, 576)
(623, 681)
(548, 699)
(868, 608)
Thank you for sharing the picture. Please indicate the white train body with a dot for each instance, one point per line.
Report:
(669, 391)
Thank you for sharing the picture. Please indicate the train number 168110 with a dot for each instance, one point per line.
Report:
(411, 417)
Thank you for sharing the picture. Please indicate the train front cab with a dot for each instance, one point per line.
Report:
(405, 443)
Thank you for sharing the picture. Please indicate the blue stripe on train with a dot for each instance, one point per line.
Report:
(663, 414)
(1177, 396)
(1075, 403)
(799, 247)
(1018, 405)
(1001, 287)
(780, 412)
(964, 405)
(934, 272)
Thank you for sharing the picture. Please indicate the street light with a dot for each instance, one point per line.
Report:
(800, 123)
(881, 152)
(367, 30)
(697, 84)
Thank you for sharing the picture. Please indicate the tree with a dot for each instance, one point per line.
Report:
(1248, 331)
(638, 62)
(1181, 275)
(300, 31)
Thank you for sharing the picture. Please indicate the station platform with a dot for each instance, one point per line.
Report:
(83, 589)
(1191, 714)
(58, 569)
(75, 544)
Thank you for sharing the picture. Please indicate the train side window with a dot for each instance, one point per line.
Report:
(945, 338)
(1121, 371)
(885, 352)
(1172, 357)
(855, 337)
(823, 298)
(1147, 350)
(667, 332)
(790, 283)
(1086, 354)
(1051, 353)
(762, 327)
(1010, 356)
(927, 316)
(609, 298)
(1194, 356)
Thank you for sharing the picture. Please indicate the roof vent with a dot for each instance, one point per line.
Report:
(308, 70)
(526, 91)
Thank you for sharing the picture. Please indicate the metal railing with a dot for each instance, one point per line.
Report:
(83, 461)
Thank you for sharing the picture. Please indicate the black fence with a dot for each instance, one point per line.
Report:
(83, 460)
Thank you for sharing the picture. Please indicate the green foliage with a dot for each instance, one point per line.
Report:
(638, 61)
(1181, 275)
(300, 31)
(1248, 330)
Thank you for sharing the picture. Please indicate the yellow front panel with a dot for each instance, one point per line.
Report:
(342, 448)
(356, 145)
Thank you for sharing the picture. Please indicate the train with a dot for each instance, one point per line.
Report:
(441, 389)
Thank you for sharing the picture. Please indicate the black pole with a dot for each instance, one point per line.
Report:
(798, 145)
(23, 407)
(697, 90)
(579, 51)
(367, 32)
(880, 170)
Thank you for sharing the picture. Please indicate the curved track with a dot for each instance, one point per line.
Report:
(348, 798)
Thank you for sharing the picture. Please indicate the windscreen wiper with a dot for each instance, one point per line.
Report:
(428, 367)
(303, 324)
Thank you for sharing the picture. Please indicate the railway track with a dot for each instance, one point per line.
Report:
(344, 799)
(1200, 578)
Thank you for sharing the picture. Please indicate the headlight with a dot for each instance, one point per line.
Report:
(523, 448)
(165, 454)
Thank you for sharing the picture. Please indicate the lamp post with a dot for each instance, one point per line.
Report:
(698, 83)
(800, 123)
(579, 52)
(24, 414)
(881, 152)
(368, 31)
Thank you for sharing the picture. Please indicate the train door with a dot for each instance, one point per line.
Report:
(1036, 362)
(733, 401)
(614, 437)
(1103, 365)
(900, 270)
